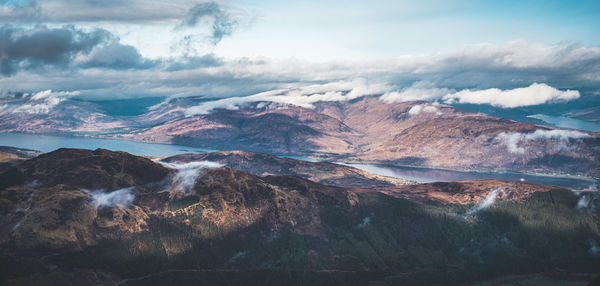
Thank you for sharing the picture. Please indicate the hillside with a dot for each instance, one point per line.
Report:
(102, 217)
(364, 130)
(262, 164)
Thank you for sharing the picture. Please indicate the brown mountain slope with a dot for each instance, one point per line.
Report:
(367, 129)
(321, 172)
(10, 156)
(466, 192)
(235, 228)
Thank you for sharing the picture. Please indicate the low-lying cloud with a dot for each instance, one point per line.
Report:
(302, 96)
(187, 173)
(120, 198)
(366, 221)
(588, 198)
(513, 139)
(307, 96)
(426, 108)
(594, 249)
(418, 91)
(534, 94)
(43, 102)
(487, 202)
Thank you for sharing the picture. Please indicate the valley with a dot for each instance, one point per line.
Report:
(364, 131)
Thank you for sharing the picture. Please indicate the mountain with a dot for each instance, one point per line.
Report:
(369, 130)
(262, 164)
(100, 217)
(11, 155)
(365, 130)
(68, 117)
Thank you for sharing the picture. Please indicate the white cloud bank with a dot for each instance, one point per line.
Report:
(307, 96)
(534, 94)
(302, 96)
(187, 173)
(512, 139)
(44, 101)
(427, 108)
(119, 198)
(421, 90)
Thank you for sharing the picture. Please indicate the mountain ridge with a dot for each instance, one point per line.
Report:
(274, 228)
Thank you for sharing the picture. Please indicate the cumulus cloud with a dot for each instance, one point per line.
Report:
(115, 56)
(421, 90)
(427, 108)
(302, 96)
(30, 48)
(187, 173)
(43, 102)
(512, 139)
(534, 94)
(120, 198)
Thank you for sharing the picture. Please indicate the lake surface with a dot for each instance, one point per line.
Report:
(567, 122)
(46, 143)
(426, 175)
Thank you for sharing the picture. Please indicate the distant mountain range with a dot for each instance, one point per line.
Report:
(363, 130)
(84, 217)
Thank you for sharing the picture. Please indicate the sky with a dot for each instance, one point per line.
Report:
(502, 53)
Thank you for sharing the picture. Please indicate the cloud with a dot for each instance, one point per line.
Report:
(187, 173)
(428, 108)
(120, 198)
(473, 68)
(302, 96)
(115, 56)
(512, 139)
(25, 10)
(366, 221)
(32, 48)
(594, 248)
(66, 11)
(222, 24)
(43, 102)
(29, 49)
(487, 202)
(421, 90)
(535, 94)
(192, 62)
(588, 198)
